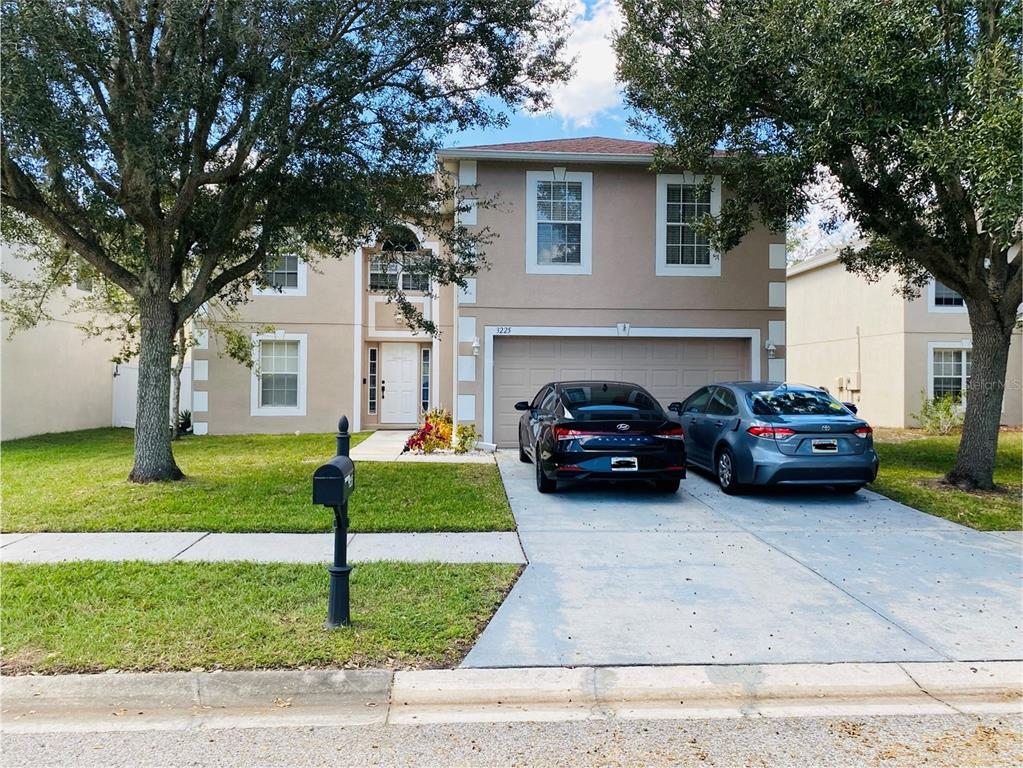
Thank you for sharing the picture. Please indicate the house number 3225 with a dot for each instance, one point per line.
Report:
(503, 330)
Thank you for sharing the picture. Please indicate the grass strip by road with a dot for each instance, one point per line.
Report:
(94, 616)
(912, 465)
(76, 481)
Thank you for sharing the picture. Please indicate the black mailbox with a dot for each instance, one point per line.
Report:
(334, 482)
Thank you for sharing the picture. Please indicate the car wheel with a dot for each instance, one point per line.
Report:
(523, 456)
(543, 483)
(668, 484)
(847, 489)
(725, 471)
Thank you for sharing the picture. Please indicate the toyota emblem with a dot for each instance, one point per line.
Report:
(825, 428)
(623, 427)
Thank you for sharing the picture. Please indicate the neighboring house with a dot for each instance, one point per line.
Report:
(54, 379)
(869, 345)
(595, 272)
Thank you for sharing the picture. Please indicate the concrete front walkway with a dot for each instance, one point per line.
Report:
(260, 547)
(624, 575)
(387, 445)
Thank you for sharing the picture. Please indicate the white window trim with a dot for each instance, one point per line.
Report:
(932, 307)
(663, 268)
(299, 290)
(934, 346)
(303, 380)
(585, 265)
(490, 332)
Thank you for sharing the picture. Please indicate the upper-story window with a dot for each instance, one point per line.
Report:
(687, 204)
(944, 299)
(559, 225)
(397, 264)
(285, 276)
(682, 201)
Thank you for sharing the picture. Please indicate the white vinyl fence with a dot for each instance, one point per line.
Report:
(126, 387)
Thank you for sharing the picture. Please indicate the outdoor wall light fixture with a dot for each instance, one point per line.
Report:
(476, 346)
(770, 346)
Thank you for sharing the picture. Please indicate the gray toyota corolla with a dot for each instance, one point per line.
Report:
(768, 433)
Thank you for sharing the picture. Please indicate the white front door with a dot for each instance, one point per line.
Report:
(399, 382)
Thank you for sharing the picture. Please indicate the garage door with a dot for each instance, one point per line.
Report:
(671, 369)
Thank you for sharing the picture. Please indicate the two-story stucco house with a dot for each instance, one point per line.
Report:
(869, 345)
(595, 272)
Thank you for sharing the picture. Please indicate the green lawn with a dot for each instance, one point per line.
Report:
(912, 464)
(91, 616)
(76, 481)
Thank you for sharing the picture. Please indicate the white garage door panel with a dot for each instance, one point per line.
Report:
(671, 369)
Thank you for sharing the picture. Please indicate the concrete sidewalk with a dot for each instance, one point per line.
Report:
(387, 445)
(186, 700)
(497, 547)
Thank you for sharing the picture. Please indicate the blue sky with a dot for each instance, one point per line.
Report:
(589, 104)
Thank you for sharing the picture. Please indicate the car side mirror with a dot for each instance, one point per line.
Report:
(676, 407)
(522, 405)
(851, 406)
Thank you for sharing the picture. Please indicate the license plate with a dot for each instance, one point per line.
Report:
(824, 446)
(624, 464)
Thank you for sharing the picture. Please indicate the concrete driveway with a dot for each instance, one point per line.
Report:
(623, 575)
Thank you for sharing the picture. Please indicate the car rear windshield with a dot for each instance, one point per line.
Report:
(794, 402)
(595, 400)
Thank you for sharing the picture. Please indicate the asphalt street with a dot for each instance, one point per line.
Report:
(892, 742)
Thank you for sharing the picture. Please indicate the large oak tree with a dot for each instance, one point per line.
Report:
(177, 147)
(914, 107)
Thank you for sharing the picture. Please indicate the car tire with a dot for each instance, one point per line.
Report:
(724, 469)
(668, 484)
(523, 456)
(847, 489)
(543, 483)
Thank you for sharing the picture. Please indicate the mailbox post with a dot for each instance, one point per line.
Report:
(333, 484)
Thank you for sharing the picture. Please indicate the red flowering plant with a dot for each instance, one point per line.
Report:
(435, 433)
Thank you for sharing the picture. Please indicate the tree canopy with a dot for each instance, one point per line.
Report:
(177, 147)
(913, 107)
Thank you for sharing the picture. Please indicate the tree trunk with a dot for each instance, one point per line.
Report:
(179, 366)
(975, 462)
(154, 459)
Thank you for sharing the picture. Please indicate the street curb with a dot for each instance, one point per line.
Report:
(181, 700)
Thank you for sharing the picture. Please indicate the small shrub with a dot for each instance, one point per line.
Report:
(466, 438)
(184, 425)
(434, 434)
(941, 415)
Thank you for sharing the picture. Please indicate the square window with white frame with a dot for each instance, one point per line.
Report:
(686, 205)
(285, 276)
(558, 222)
(946, 297)
(950, 372)
(278, 374)
(387, 272)
(683, 200)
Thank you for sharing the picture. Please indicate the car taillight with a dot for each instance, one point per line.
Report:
(673, 432)
(863, 432)
(768, 432)
(565, 433)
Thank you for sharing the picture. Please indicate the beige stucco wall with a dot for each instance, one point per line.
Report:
(924, 327)
(52, 378)
(327, 315)
(839, 323)
(827, 304)
(623, 286)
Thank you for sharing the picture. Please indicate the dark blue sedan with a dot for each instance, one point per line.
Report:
(767, 433)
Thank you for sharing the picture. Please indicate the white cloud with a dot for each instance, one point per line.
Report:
(593, 88)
